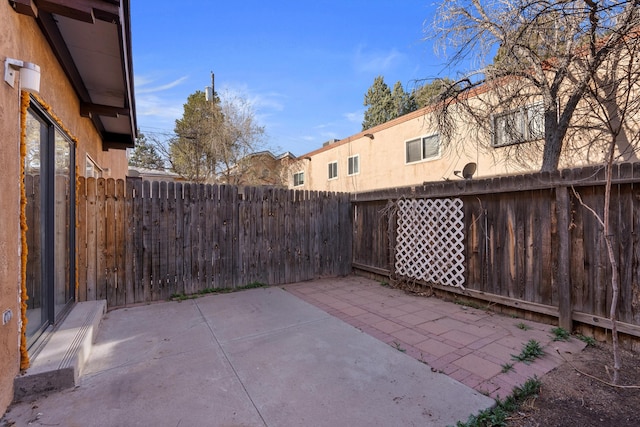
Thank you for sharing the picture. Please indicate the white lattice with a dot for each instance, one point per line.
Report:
(429, 244)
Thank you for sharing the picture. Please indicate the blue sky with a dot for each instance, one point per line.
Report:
(305, 66)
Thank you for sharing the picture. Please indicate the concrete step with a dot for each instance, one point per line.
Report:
(59, 363)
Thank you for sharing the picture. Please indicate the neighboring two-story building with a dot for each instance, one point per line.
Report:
(405, 151)
(409, 150)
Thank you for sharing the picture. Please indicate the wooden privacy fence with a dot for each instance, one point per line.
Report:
(528, 241)
(140, 241)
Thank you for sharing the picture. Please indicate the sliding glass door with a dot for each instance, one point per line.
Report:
(50, 211)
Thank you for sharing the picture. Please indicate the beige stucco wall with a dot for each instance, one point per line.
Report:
(10, 212)
(383, 162)
(21, 39)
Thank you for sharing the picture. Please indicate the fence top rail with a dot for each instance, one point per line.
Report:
(623, 173)
(138, 188)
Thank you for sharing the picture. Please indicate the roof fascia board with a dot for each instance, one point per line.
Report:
(25, 7)
(127, 62)
(82, 10)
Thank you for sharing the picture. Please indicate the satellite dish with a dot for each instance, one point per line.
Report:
(468, 170)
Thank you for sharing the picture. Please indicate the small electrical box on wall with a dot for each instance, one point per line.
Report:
(6, 316)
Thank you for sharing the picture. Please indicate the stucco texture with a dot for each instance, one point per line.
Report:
(22, 39)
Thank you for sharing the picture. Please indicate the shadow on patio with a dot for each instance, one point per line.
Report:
(265, 357)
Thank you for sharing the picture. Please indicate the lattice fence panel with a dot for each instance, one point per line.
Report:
(430, 241)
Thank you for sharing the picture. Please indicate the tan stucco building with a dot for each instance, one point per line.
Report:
(404, 151)
(409, 150)
(260, 168)
(379, 158)
(78, 122)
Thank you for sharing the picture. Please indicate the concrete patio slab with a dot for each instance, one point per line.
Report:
(469, 344)
(254, 358)
(59, 361)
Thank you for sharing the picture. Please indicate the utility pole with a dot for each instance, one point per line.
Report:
(210, 96)
(210, 91)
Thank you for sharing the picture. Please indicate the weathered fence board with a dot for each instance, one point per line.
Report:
(515, 239)
(141, 241)
(121, 256)
(100, 291)
(130, 260)
(137, 236)
(81, 247)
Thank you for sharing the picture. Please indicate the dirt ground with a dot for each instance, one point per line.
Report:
(570, 398)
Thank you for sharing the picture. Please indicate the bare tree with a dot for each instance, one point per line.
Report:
(537, 60)
(238, 136)
(564, 78)
(213, 139)
(610, 113)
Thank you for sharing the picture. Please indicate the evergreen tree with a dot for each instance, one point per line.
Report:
(429, 93)
(380, 102)
(191, 152)
(213, 138)
(403, 102)
(145, 155)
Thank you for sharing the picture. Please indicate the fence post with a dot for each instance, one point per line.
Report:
(565, 301)
(391, 236)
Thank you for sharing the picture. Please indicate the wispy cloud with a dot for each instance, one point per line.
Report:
(141, 82)
(355, 116)
(377, 62)
(268, 101)
(158, 107)
(265, 105)
(158, 104)
(261, 102)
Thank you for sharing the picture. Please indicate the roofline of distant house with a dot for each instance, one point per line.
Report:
(423, 111)
(409, 116)
(261, 153)
(270, 154)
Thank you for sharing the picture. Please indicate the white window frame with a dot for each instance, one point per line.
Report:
(424, 156)
(300, 181)
(332, 170)
(97, 170)
(353, 165)
(516, 126)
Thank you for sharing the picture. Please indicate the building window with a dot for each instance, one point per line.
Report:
(333, 170)
(423, 148)
(298, 179)
(92, 169)
(354, 165)
(49, 176)
(517, 126)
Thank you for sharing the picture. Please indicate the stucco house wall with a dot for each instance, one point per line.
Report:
(22, 39)
(10, 212)
(381, 150)
(382, 159)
